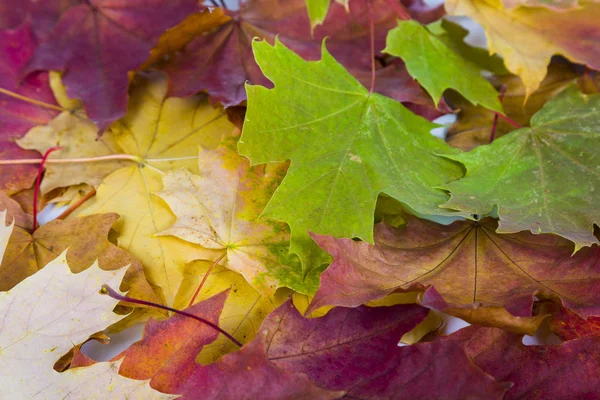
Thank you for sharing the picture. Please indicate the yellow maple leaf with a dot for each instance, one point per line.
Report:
(220, 208)
(163, 134)
(527, 37)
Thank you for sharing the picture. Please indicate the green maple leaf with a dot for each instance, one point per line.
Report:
(437, 67)
(543, 178)
(346, 146)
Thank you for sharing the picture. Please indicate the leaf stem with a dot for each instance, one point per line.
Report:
(510, 121)
(109, 291)
(495, 123)
(76, 205)
(31, 101)
(38, 181)
(129, 157)
(206, 276)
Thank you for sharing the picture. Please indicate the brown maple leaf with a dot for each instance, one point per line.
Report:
(467, 263)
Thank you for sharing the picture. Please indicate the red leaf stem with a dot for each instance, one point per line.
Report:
(204, 278)
(109, 291)
(38, 181)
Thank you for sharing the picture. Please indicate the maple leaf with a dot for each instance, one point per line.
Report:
(219, 209)
(527, 37)
(345, 144)
(86, 238)
(167, 357)
(179, 127)
(43, 317)
(18, 116)
(243, 312)
(562, 372)
(96, 43)
(347, 31)
(466, 262)
(437, 67)
(474, 124)
(357, 350)
(544, 177)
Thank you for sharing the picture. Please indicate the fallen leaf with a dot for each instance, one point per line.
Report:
(199, 65)
(437, 67)
(542, 179)
(179, 127)
(86, 239)
(527, 37)
(17, 115)
(96, 43)
(346, 146)
(220, 209)
(357, 350)
(37, 329)
(166, 355)
(466, 262)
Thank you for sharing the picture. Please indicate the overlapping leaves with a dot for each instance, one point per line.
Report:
(40, 328)
(346, 146)
(465, 262)
(209, 232)
(543, 178)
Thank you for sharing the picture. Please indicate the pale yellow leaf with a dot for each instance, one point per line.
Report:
(166, 134)
(46, 315)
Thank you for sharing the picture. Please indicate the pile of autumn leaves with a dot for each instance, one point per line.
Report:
(252, 207)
